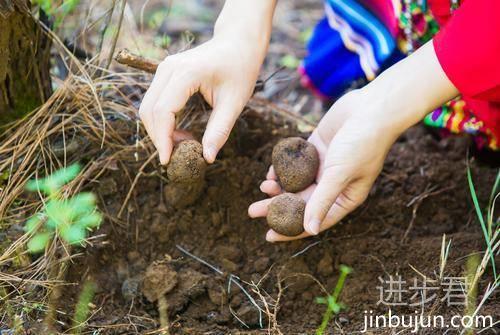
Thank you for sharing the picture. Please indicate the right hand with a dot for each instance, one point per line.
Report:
(224, 70)
(352, 140)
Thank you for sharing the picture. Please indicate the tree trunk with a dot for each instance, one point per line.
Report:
(24, 61)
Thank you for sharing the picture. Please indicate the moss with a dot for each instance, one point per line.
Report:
(23, 107)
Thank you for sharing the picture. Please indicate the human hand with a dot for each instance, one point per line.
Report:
(224, 70)
(354, 137)
(352, 143)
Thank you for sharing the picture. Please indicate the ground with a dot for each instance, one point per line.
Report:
(378, 240)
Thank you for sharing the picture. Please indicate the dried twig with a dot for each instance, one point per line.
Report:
(125, 57)
(232, 279)
(417, 201)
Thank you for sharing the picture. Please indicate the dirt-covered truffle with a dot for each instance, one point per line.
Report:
(286, 214)
(187, 164)
(159, 279)
(296, 163)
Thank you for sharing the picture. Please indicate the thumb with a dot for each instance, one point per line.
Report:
(226, 111)
(330, 186)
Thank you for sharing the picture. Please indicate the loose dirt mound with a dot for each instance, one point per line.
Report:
(375, 240)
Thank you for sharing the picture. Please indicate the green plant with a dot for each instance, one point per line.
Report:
(57, 9)
(82, 308)
(68, 218)
(290, 61)
(488, 226)
(333, 305)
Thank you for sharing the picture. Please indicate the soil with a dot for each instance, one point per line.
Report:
(286, 214)
(296, 163)
(398, 231)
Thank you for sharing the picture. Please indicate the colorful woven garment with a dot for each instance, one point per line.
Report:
(356, 40)
(455, 118)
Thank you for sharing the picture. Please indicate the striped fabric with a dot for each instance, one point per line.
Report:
(348, 45)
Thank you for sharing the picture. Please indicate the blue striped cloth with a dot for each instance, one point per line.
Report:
(349, 44)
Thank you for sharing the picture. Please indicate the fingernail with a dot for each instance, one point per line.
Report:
(269, 237)
(211, 154)
(249, 211)
(261, 188)
(313, 226)
(163, 160)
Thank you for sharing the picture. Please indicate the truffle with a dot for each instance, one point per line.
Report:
(286, 214)
(187, 164)
(296, 163)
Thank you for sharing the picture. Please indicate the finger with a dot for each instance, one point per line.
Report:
(271, 174)
(160, 80)
(337, 212)
(226, 111)
(322, 199)
(172, 100)
(164, 125)
(322, 149)
(273, 236)
(270, 187)
(346, 202)
(259, 209)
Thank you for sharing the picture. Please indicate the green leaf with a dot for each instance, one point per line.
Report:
(59, 212)
(51, 224)
(82, 204)
(321, 300)
(72, 234)
(51, 184)
(336, 308)
(46, 5)
(33, 223)
(68, 6)
(37, 185)
(90, 221)
(38, 242)
(61, 177)
(345, 269)
(479, 215)
(290, 61)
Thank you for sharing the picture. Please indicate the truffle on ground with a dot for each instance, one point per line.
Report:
(296, 163)
(187, 164)
(286, 214)
(159, 279)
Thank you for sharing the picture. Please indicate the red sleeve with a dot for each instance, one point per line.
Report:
(468, 49)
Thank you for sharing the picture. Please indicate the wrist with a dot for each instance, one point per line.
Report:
(249, 22)
(410, 89)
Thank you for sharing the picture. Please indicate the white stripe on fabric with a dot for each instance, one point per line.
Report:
(384, 47)
(354, 42)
